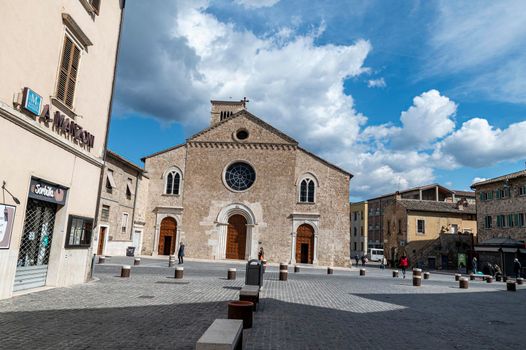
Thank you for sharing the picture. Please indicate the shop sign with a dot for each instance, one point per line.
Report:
(64, 125)
(32, 101)
(7, 218)
(47, 192)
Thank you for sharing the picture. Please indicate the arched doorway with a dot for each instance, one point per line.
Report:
(305, 244)
(167, 236)
(236, 238)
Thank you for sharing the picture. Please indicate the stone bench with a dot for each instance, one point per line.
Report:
(250, 293)
(222, 335)
(474, 276)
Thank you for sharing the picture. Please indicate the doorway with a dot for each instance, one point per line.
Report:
(305, 244)
(167, 236)
(102, 238)
(236, 237)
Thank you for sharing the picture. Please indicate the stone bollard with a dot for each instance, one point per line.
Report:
(395, 273)
(427, 275)
(511, 286)
(171, 260)
(489, 279)
(283, 266)
(417, 272)
(136, 261)
(417, 281)
(362, 272)
(241, 310)
(125, 271)
(283, 275)
(498, 278)
(102, 259)
(463, 283)
(520, 280)
(231, 274)
(296, 269)
(330, 271)
(457, 276)
(504, 279)
(472, 277)
(179, 272)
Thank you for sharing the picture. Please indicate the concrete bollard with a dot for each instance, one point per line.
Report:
(362, 272)
(472, 277)
(520, 280)
(283, 266)
(457, 276)
(489, 279)
(395, 273)
(171, 260)
(498, 278)
(296, 269)
(504, 279)
(463, 283)
(125, 271)
(102, 259)
(241, 310)
(330, 271)
(426, 275)
(136, 261)
(417, 281)
(283, 275)
(231, 274)
(511, 286)
(417, 272)
(179, 272)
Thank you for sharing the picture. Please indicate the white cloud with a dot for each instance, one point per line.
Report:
(478, 179)
(256, 3)
(380, 83)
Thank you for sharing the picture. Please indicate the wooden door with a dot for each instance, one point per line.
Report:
(236, 237)
(102, 237)
(305, 242)
(168, 229)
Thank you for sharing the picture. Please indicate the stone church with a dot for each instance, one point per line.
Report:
(240, 185)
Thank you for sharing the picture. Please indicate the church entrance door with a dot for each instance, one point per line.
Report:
(167, 236)
(305, 244)
(236, 239)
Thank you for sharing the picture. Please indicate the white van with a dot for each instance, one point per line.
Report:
(375, 254)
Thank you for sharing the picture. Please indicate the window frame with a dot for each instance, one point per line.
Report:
(87, 234)
(174, 171)
(76, 43)
(104, 217)
(423, 221)
(309, 179)
(124, 228)
(488, 222)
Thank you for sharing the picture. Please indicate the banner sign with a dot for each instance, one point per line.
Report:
(32, 101)
(47, 192)
(7, 218)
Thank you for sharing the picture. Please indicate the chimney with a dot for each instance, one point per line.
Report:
(222, 110)
(398, 196)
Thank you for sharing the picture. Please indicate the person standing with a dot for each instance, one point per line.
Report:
(517, 268)
(383, 263)
(364, 260)
(261, 254)
(474, 265)
(180, 253)
(357, 258)
(404, 263)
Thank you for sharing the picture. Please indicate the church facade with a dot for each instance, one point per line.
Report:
(240, 185)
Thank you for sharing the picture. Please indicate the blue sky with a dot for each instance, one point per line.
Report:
(400, 93)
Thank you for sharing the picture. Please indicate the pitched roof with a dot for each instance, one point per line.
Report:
(503, 241)
(163, 151)
(124, 160)
(433, 206)
(327, 163)
(514, 175)
(463, 193)
(253, 118)
(424, 187)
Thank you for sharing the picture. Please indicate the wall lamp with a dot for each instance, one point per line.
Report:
(6, 190)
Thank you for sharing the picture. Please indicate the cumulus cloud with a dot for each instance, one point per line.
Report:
(380, 83)
(256, 3)
(478, 179)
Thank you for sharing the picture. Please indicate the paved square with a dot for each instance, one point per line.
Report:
(312, 310)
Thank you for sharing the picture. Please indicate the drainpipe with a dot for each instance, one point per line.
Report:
(135, 203)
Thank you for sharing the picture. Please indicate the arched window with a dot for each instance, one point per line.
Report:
(173, 182)
(307, 189)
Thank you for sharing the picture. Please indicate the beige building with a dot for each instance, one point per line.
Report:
(120, 224)
(412, 225)
(57, 72)
(240, 185)
(359, 229)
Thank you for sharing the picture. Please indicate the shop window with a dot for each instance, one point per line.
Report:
(79, 232)
(105, 213)
(67, 78)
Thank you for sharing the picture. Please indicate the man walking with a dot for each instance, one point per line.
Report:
(474, 265)
(404, 263)
(517, 268)
(180, 253)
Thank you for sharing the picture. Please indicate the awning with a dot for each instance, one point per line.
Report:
(109, 175)
(523, 251)
(130, 188)
(487, 249)
(509, 250)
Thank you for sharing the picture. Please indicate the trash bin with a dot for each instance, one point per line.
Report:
(254, 273)
(130, 251)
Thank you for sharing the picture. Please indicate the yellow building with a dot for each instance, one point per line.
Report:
(359, 229)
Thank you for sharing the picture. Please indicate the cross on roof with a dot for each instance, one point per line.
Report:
(244, 101)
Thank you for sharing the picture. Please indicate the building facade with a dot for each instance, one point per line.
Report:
(121, 202)
(241, 185)
(433, 192)
(412, 226)
(57, 70)
(359, 219)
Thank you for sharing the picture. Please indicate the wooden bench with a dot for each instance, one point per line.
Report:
(222, 335)
(250, 293)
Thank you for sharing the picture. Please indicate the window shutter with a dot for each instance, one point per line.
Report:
(67, 78)
(96, 6)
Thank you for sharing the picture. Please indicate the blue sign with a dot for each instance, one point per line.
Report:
(32, 101)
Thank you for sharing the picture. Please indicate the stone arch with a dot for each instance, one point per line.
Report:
(175, 171)
(311, 179)
(236, 208)
(167, 236)
(305, 244)
(222, 221)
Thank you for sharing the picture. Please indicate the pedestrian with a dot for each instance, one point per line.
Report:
(474, 265)
(517, 268)
(180, 253)
(404, 263)
(383, 263)
(363, 260)
(357, 258)
(261, 254)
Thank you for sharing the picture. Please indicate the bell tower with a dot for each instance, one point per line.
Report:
(222, 110)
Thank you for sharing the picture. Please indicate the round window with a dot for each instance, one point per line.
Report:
(242, 134)
(240, 176)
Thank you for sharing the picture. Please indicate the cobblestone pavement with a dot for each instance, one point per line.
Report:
(312, 310)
